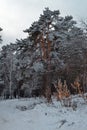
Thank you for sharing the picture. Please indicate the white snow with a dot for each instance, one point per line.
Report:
(36, 114)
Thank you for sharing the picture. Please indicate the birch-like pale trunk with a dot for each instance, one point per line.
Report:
(10, 76)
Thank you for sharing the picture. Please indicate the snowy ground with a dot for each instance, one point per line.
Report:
(36, 114)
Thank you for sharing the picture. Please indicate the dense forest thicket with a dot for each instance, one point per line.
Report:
(53, 56)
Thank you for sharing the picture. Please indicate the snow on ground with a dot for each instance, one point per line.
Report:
(36, 114)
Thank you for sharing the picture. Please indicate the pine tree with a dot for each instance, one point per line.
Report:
(0, 35)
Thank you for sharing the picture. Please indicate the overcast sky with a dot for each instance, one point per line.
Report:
(17, 15)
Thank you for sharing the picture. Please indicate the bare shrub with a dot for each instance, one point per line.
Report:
(76, 85)
(63, 93)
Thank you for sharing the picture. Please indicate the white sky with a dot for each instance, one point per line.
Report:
(17, 15)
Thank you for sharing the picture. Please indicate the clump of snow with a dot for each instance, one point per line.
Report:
(38, 66)
(37, 114)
